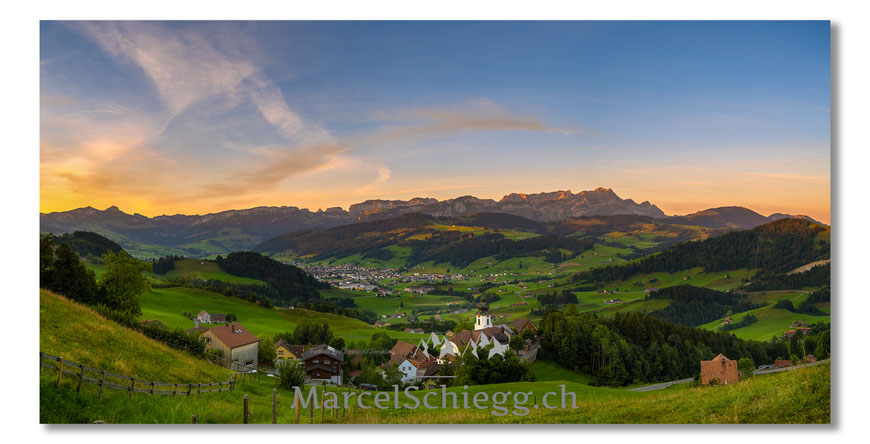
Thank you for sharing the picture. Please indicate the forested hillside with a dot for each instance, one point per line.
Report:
(86, 243)
(634, 348)
(695, 306)
(773, 248)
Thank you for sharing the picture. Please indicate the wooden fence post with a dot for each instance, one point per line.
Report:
(189, 389)
(245, 413)
(152, 389)
(59, 370)
(132, 381)
(199, 390)
(175, 392)
(81, 376)
(102, 382)
(233, 383)
(296, 401)
(274, 406)
(194, 419)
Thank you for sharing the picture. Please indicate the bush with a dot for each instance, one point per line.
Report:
(291, 374)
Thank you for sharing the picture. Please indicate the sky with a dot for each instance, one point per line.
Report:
(199, 117)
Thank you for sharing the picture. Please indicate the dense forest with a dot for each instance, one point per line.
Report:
(635, 348)
(291, 283)
(773, 248)
(695, 306)
(88, 244)
(819, 276)
(565, 297)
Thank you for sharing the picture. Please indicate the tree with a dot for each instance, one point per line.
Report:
(123, 282)
(823, 348)
(517, 343)
(794, 345)
(337, 343)
(71, 278)
(266, 353)
(231, 317)
(528, 334)
(46, 260)
(746, 366)
(291, 374)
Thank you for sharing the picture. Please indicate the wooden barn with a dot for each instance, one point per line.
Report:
(238, 346)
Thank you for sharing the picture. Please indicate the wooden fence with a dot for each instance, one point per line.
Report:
(107, 380)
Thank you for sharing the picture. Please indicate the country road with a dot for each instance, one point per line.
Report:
(663, 385)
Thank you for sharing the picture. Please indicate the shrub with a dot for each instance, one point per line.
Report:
(291, 374)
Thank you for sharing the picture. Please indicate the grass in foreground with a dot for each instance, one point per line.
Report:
(797, 396)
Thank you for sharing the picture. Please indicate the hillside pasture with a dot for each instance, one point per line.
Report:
(205, 269)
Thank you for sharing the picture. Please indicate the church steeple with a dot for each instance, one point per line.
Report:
(482, 319)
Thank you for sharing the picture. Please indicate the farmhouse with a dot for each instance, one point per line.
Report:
(323, 364)
(721, 369)
(237, 345)
(287, 352)
(521, 325)
(213, 318)
(405, 367)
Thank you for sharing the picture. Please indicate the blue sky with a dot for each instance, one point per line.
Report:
(197, 117)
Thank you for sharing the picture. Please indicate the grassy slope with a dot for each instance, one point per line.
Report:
(169, 304)
(78, 334)
(206, 270)
(771, 321)
(797, 396)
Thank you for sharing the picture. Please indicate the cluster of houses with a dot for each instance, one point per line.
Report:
(417, 363)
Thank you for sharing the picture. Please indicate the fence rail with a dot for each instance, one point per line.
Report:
(126, 383)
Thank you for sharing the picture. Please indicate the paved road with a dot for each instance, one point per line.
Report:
(776, 370)
(661, 385)
(756, 372)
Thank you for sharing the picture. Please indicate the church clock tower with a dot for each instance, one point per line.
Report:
(482, 319)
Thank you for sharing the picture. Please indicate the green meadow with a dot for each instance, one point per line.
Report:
(204, 269)
(169, 305)
(771, 321)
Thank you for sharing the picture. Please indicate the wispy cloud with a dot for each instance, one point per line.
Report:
(221, 130)
(476, 115)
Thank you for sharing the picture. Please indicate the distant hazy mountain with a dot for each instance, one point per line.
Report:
(731, 217)
(236, 230)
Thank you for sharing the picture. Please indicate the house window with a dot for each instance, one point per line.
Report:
(326, 361)
(280, 352)
(316, 361)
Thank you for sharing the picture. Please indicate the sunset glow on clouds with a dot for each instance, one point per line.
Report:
(166, 118)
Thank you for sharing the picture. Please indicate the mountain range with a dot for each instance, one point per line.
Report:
(235, 230)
